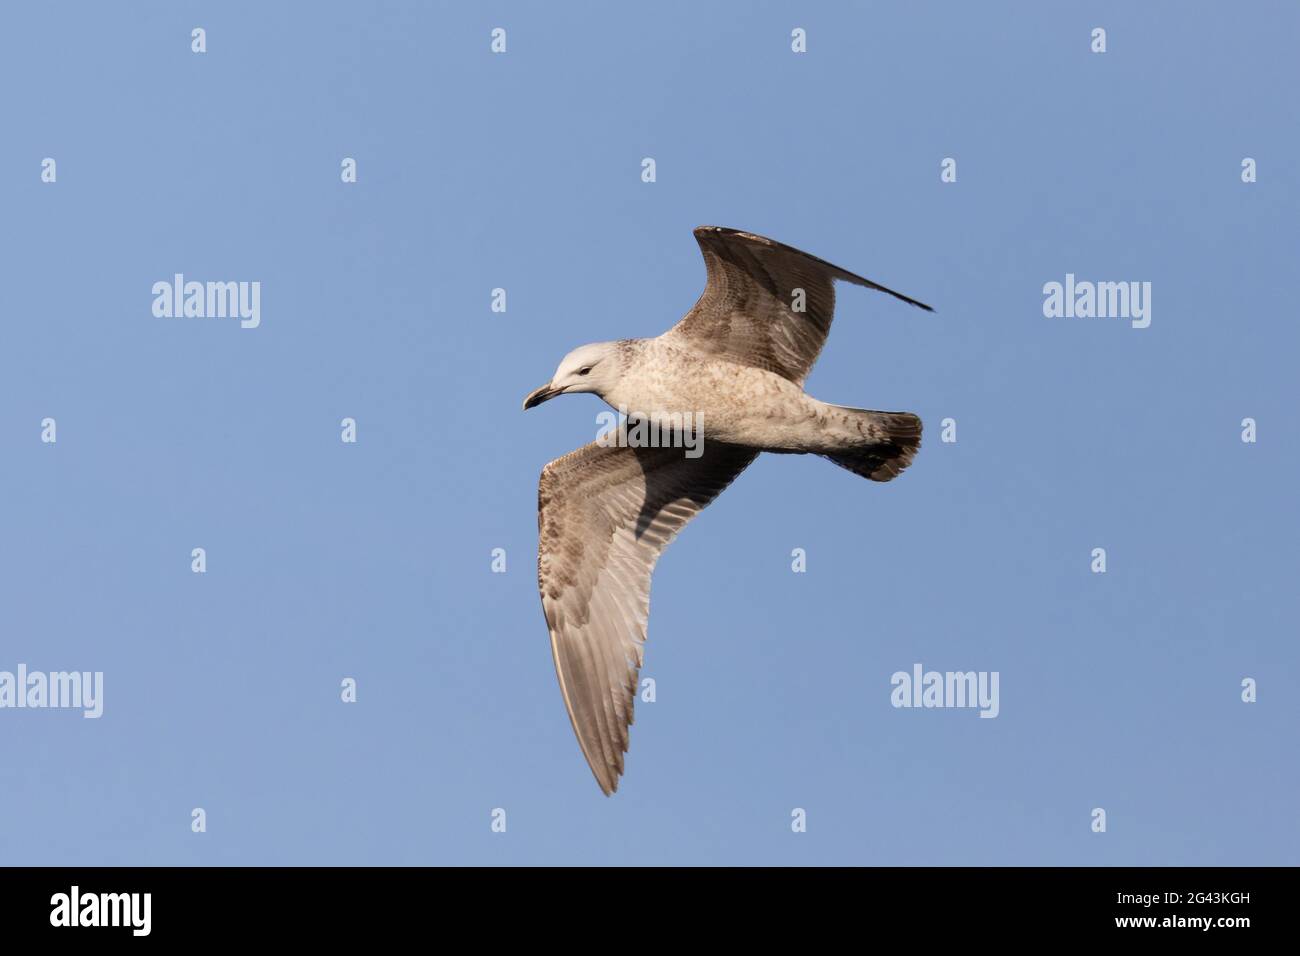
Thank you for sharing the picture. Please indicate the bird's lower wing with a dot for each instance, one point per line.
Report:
(604, 516)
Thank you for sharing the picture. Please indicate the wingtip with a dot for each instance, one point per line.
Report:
(898, 295)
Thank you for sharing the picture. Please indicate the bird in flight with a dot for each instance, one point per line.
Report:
(734, 369)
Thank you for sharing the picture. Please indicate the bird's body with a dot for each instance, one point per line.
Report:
(735, 403)
(733, 369)
(661, 380)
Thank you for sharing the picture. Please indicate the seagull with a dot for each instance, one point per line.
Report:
(734, 369)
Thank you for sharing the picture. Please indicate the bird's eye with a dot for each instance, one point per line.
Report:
(584, 370)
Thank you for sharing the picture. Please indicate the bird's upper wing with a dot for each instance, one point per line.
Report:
(746, 313)
(604, 516)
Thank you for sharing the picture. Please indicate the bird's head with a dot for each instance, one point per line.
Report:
(589, 368)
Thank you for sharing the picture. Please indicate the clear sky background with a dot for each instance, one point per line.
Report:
(328, 560)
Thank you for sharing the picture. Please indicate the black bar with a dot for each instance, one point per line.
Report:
(238, 904)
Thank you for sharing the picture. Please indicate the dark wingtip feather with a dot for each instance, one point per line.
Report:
(897, 295)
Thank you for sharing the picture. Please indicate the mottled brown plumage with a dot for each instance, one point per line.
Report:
(738, 360)
(625, 504)
(745, 314)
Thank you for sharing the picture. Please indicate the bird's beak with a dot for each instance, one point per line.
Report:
(543, 394)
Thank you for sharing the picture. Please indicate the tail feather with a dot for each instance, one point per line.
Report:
(890, 441)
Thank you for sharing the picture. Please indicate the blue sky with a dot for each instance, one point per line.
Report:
(522, 171)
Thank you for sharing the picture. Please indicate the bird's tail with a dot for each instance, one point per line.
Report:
(888, 441)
